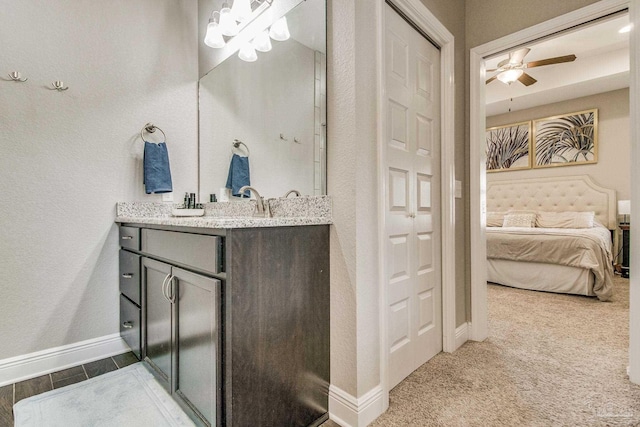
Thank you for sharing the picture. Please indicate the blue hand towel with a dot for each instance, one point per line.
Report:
(238, 175)
(157, 174)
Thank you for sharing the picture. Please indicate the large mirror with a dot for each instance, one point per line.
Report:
(276, 106)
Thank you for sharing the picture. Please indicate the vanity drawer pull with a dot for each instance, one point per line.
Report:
(130, 276)
(127, 325)
(130, 237)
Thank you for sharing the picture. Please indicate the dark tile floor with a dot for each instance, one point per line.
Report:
(13, 393)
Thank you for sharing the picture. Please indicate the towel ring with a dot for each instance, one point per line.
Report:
(237, 143)
(151, 128)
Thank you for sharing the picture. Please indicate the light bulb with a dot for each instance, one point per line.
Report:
(247, 53)
(213, 38)
(510, 76)
(280, 30)
(228, 24)
(625, 29)
(262, 42)
(241, 9)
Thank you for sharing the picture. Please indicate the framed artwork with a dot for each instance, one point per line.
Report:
(569, 139)
(509, 147)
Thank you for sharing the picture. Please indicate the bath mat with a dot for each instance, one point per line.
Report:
(130, 396)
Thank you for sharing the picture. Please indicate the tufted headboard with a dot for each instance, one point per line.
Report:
(555, 194)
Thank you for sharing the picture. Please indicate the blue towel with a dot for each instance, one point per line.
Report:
(238, 175)
(157, 173)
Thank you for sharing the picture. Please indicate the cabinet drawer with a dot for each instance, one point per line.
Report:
(130, 325)
(130, 275)
(196, 250)
(130, 237)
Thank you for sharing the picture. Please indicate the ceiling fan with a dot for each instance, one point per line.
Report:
(512, 69)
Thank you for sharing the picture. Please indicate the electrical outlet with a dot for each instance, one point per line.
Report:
(167, 197)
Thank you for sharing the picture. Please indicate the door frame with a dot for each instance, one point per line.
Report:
(478, 330)
(421, 17)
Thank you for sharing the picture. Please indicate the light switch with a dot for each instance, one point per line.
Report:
(458, 190)
(167, 197)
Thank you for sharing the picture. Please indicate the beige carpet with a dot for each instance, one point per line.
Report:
(550, 360)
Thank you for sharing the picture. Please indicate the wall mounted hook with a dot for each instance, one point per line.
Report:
(284, 138)
(16, 77)
(59, 86)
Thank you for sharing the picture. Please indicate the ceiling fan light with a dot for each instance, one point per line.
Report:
(510, 76)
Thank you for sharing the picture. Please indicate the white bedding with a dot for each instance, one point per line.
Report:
(585, 248)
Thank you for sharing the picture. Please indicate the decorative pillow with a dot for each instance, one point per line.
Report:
(519, 220)
(565, 219)
(495, 219)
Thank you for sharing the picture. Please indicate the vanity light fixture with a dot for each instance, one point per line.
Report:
(248, 53)
(241, 10)
(262, 42)
(228, 24)
(232, 20)
(280, 30)
(214, 38)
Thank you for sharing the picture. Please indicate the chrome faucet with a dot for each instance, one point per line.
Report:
(296, 192)
(259, 201)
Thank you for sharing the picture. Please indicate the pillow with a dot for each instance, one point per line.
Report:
(495, 219)
(565, 219)
(519, 220)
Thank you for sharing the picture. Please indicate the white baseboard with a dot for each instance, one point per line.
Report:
(462, 334)
(349, 411)
(32, 365)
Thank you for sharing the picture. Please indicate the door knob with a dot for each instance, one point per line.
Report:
(127, 325)
(127, 275)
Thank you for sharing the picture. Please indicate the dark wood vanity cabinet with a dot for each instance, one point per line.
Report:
(235, 323)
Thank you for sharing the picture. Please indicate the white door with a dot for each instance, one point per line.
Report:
(412, 198)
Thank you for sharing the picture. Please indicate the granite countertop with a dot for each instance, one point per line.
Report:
(298, 211)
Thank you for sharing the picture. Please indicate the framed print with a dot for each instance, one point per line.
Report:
(569, 139)
(509, 147)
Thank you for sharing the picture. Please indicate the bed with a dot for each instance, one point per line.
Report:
(554, 259)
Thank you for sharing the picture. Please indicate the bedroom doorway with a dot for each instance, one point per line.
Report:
(413, 282)
(478, 177)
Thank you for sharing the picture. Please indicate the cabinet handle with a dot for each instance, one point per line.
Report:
(164, 287)
(127, 325)
(127, 275)
(170, 290)
(127, 237)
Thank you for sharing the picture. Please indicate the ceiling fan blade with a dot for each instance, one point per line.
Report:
(517, 56)
(550, 61)
(526, 79)
(491, 79)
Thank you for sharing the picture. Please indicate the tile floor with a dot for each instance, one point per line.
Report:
(13, 393)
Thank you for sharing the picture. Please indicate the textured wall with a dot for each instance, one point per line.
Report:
(68, 157)
(488, 20)
(614, 145)
(341, 185)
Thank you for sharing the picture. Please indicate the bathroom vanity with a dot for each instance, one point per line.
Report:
(231, 314)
